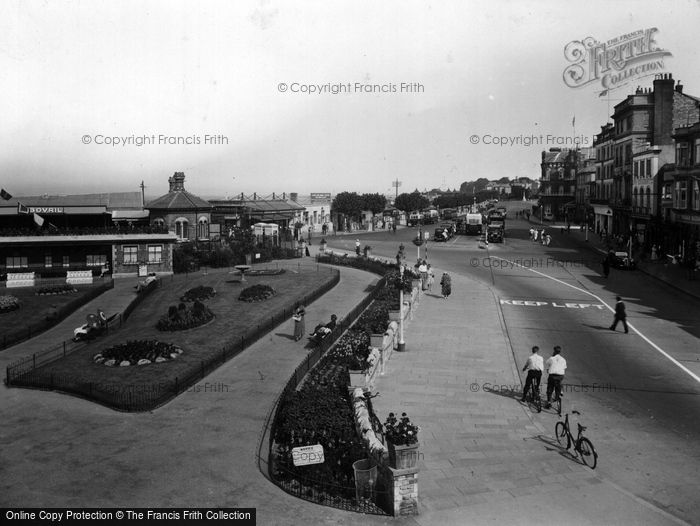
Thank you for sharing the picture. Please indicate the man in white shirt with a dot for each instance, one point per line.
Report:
(534, 367)
(556, 367)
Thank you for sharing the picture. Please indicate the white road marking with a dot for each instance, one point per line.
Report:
(652, 344)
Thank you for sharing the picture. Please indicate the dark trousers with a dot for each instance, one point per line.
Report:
(554, 384)
(618, 319)
(533, 378)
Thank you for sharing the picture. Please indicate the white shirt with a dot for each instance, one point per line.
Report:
(556, 365)
(535, 362)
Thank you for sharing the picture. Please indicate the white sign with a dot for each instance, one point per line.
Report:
(303, 456)
(556, 305)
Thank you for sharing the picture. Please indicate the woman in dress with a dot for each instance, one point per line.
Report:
(299, 323)
(446, 283)
(431, 277)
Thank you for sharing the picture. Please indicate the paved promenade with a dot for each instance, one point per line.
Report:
(485, 459)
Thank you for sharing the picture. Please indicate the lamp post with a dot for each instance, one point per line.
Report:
(402, 345)
(541, 213)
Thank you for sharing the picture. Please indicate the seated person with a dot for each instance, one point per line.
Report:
(323, 330)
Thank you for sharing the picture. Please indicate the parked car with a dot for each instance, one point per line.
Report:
(622, 261)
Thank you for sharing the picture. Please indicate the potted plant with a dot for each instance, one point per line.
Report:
(402, 441)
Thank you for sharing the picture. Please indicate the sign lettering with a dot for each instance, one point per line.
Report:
(305, 455)
(554, 304)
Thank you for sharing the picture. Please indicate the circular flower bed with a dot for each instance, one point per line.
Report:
(55, 289)
(8, 303)
(199, 293)
(183, 317)
(257, 293)
(137, 352)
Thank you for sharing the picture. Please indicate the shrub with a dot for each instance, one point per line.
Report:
(199, 293)
(8, 303)
(258, 292)
(56, 289)
(181, 318)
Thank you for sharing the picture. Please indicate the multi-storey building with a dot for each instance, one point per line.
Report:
(558, 182)
(600, 200)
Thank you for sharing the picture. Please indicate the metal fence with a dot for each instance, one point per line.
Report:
(145, 397)
(29, 331)
(320, 491)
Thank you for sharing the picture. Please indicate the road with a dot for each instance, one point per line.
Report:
(638, 393)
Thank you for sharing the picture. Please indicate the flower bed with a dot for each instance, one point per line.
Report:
(138, 352)
(55, 289)
(257, 293)
(8, 303)
(199, 294)
(185, 317)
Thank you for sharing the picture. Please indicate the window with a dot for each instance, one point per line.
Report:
(682, 154)
(131, 255)
(648, 170)
(648, 200)
(635, 169)
(47, 261)
(696, 158)
(667, 191)
(66, 261)
(182, 228)
(203, 228)
(95, 260)
(155, 253)
(16, 262)
(681, 194)
(696, 195)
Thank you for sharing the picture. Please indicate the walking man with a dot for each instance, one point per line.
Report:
(620, 315)
(556, 367)
(357, 247)
(606, 265)
(534, 367)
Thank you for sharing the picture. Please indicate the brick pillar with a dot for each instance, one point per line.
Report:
(397, 490)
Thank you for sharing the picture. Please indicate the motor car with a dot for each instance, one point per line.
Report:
(441, 234)
(622, 261)
(548, 216)
(494, 233)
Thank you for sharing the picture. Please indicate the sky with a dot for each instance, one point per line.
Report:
(430, 94)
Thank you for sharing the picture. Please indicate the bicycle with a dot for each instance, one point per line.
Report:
(581, 444)
(556, 401)
(533, 396)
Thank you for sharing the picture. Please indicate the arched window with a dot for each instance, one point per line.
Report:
(648, 199)
(182, 228)
(203, 228)
(159, 222)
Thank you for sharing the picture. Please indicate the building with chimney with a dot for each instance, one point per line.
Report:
(186, 215)
(557, 182)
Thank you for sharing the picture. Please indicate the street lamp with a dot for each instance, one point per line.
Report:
(541, 213)
(402, 345)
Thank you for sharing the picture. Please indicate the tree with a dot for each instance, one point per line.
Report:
(375, 203)
(409, 202)
(348, 204)
(472, 187)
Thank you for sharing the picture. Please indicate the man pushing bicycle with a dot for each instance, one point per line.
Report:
(534, 367)
(556, 367)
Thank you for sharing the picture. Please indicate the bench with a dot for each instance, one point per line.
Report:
(20, 279)
(78, 277)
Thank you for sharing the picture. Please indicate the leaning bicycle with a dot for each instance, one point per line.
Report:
(582, 445)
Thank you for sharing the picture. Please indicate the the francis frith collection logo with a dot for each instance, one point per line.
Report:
(613, 63)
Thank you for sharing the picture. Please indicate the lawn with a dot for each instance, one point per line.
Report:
(233, 318)
(34, 309)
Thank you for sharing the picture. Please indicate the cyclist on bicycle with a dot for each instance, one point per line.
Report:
(556, 367)
(534, 367)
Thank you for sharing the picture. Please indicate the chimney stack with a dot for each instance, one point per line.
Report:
(293, 196)
(679, 87)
